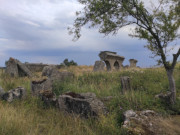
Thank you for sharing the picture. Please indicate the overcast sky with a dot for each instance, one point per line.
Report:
(36, 31)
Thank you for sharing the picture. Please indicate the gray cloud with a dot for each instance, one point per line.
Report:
(36, 31)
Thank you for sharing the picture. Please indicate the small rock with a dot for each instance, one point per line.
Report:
(164, 96)
(17, 93)
(148, 113)
(129, 113)
(99, 66)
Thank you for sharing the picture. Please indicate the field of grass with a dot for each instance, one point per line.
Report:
(29, 117)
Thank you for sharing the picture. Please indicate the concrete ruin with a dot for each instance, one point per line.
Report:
(133, 63)
(35, 67)
(17, 69)
(112, 60)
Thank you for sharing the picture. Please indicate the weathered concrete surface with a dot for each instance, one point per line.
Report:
(35, 67)
(99, 66)
(49, 98)
(49, 70)
(44, 90)
(149, 122)
(12, 68)
(46, 84)
(23, 69)
(141, 123)
(54, 75)
(17, 69)
(17, 93)
(40, 85)
(130, 115)
(84, 104)
(125, 83)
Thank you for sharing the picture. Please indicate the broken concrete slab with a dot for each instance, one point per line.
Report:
(99, 66)
(12, 68)
(23, 69)
(17, 69)
(84, 104)
(49, 70)
(40, 85)
(54, 74)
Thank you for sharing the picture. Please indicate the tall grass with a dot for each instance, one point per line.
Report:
(19, 120)
(28, 117)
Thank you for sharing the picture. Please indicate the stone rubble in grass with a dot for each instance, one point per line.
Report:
(46, 84)
(17, 93)
(44, 87)
(141, 122)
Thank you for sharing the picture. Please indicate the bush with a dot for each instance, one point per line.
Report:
(68, 63)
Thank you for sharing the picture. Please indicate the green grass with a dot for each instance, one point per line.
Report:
(145, 84)
(28, 117)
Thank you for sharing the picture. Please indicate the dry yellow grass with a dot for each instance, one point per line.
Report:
(8, 83)
(20, 120)
(78, 70)
(27, 118)
(171, 125)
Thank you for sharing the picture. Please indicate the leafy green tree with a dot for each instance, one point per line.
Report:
(158, 24)
(68, 63)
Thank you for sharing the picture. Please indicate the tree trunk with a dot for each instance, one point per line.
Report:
(172, 86)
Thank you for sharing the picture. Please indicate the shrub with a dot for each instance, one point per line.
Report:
(68, 63)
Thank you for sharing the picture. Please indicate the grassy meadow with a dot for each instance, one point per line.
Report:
(30, 117)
